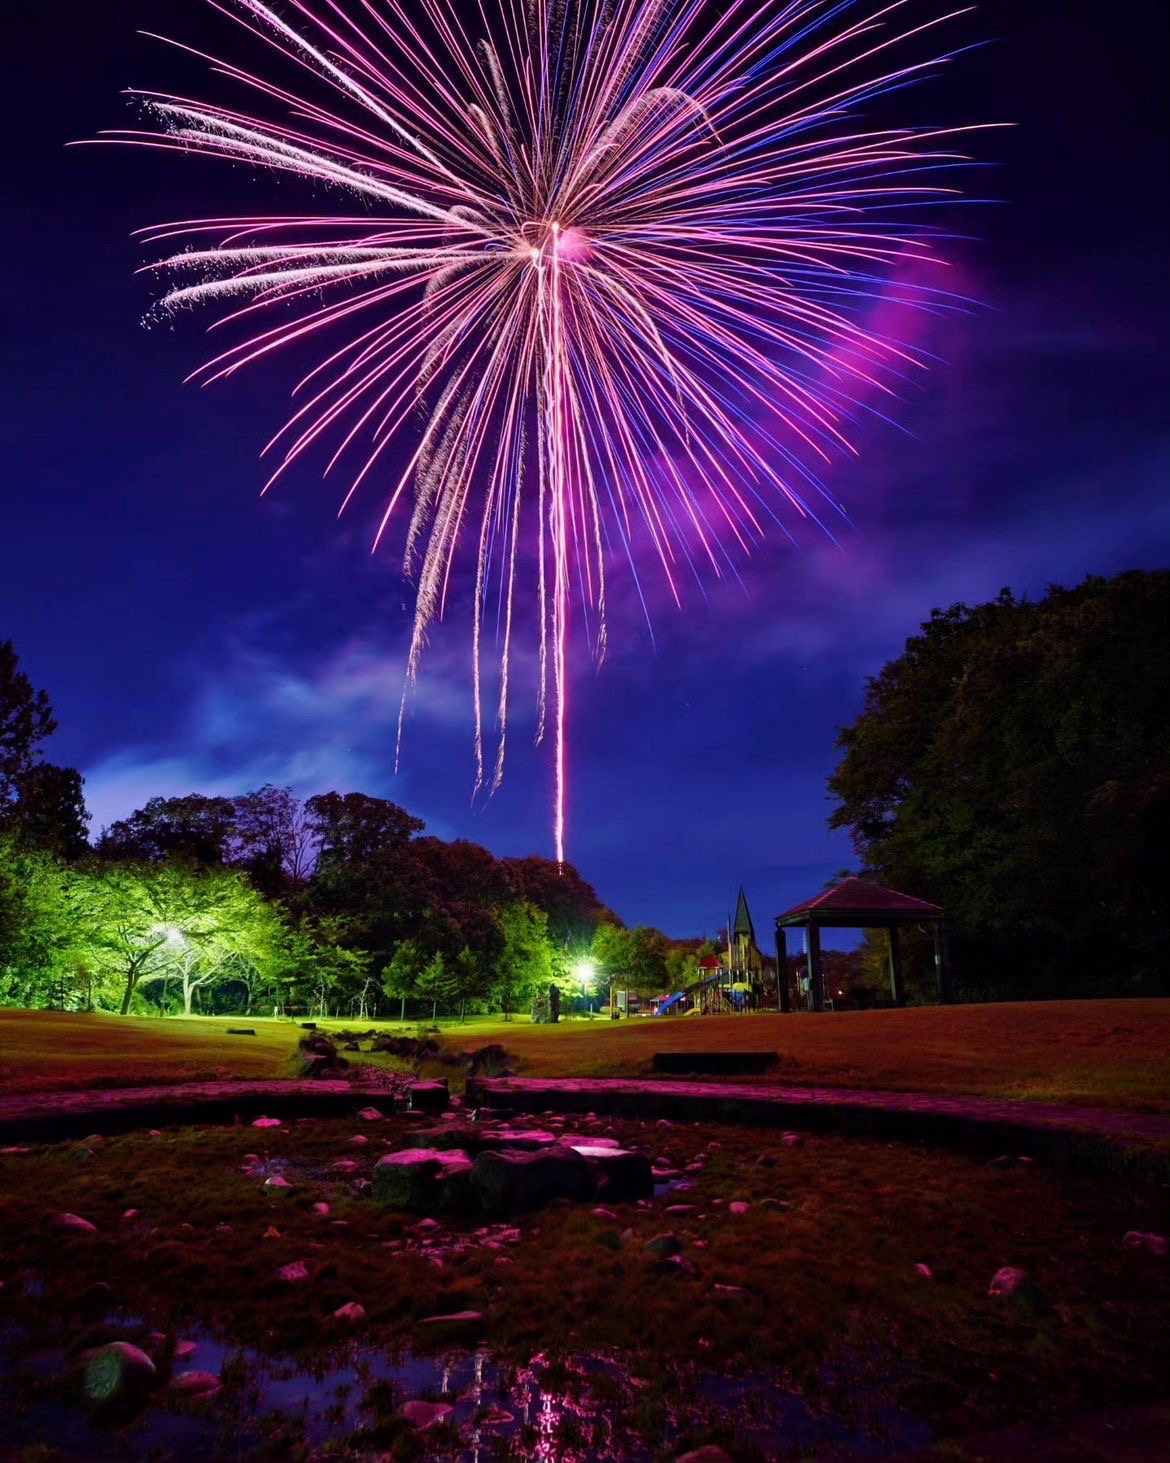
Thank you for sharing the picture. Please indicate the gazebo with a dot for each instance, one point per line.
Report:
(858, 904)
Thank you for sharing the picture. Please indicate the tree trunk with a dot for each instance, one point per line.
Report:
(402, 1010)
(128, 995)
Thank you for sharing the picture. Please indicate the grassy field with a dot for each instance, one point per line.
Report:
(1109, 1053)
(51, 1051)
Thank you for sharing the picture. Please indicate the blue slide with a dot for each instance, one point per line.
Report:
(678, 995)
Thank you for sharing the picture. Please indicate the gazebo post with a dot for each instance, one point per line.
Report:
(815, 984)
(782, 970)
(897, 986)
(941, 966)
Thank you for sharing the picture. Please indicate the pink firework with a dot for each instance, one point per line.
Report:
(620, 253)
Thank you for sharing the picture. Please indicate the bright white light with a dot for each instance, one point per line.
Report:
(584, 971)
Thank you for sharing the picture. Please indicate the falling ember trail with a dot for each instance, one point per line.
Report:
(646, 235)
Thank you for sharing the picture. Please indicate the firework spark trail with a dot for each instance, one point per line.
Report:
(644, 233)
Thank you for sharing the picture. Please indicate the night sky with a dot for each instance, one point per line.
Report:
(195, 637)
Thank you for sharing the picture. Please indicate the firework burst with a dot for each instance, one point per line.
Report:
(620, 254)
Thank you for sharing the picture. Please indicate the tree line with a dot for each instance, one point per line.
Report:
(338, 904)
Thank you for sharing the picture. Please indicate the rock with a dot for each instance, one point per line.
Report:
(344, 1165)
(370, 1115)
(352, 1313)
(428, 1096)
(1154, 1244)
(767, 1160)
(505, 1182)
(681, 1211)
(73, 1222)
(321, 1208)
(486, 1061)
(271, 1233)
(277, 1181)
(622, 1175)
(425, 1414)
(95, 1140)
(266, 1122)
(351, 1046)
(413, 1178)
(294, 1272)
(358, 1139)
(792, 1140)
(600, 1213)
(738, 1206)
(184, 1349)
(117, 1372)
(1008, 1280)
(674, 1265)
(774, 1206)
(461, 1323)
(729, 1289)
(129, 1213)
(664, 1123)
(194, 1384)
(663, 1245)
(707, 1454)
(924, 1270)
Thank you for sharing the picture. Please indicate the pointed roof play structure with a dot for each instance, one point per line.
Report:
(742, 924)
(859, 904)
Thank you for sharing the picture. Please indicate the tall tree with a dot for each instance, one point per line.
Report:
(353, 829)
(272, 839)
(524, 966)
(26, 718)
(194, 828)
(570, 904)
(49, 811)
(1012, 765)
(401, 977)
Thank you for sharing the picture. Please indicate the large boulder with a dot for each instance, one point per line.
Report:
(623, 1175)
(319, 1057)
(507, 1182)
(428, 1096)
(415, 1178)
(476, 1138)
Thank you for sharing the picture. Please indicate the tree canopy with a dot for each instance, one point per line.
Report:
(1013, 765)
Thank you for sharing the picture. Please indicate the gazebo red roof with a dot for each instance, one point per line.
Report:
(712, 962)
(860, 897)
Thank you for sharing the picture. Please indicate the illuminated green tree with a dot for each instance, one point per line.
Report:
(524, 966)
(146, 925)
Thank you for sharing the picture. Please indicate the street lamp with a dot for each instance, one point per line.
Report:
(584, 971)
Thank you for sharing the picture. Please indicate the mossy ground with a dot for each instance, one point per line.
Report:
(822, 1297)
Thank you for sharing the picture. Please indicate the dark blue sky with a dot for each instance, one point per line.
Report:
(192, 636)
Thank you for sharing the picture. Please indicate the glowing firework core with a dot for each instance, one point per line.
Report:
(623, 252)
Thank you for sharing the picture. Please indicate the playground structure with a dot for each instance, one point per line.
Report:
(727, 985)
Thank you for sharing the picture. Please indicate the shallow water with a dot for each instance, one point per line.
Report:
(562, 1412)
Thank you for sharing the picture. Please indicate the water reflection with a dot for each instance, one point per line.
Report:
(549, 1410)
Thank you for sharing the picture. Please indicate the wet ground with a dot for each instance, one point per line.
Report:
(363, 1401)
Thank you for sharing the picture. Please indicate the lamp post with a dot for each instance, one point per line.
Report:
(585, 971)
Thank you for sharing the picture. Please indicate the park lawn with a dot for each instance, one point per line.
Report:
(1111, 1053)
(55, 1051)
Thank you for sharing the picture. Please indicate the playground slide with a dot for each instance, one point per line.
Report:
(678, 995)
